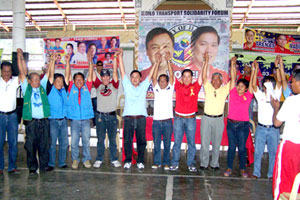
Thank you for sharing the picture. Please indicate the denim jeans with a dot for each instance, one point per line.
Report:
(238, 133)
(187, 126)
(165, 129)
(138, 125)
(109, 123)
(58, 130)
(94, 103)
(9, 124)
(263, 136)
(83, 127)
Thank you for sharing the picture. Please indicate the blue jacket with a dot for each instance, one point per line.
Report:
(58, 103)
(76, 111)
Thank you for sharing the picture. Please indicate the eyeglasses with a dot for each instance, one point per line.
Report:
(215, 94)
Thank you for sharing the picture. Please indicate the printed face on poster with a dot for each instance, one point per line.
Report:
(102, 47)
(185, 35)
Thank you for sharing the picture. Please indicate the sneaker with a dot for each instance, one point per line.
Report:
(244, 174)
(155, 166)
(64, 167)
(75, 164)
(173, 167)
(87, 164)
(192, 168)
(97, 164)
(228, 172)
(127, 165)
(14, 171)
(140, 166)
(166, 167)
(116, 163)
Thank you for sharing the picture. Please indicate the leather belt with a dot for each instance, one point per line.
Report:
(162, 120)
(60, 119)
(107, 113)
(134, 116)
(234, 121)
(213, 116)
(266, 126)
(7, 113)
(185, 117)
(39, 120)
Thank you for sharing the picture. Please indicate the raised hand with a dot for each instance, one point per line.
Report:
(157, 57)
(119, 52)
(206, 57)
(67, 58)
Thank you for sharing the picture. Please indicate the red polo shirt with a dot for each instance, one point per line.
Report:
(186, 97)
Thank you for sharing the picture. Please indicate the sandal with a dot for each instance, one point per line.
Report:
(244, 174)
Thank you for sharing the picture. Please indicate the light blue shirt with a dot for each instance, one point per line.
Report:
(287, 92)
(36, 100)
(135, 97)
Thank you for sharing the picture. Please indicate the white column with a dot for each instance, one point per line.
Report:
(18, 24)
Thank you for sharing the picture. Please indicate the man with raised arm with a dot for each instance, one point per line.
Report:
(212, 123)
(135, 113)
(57, 97)
(80, 111)
(106, 118)
(163, 111)
(36, 110)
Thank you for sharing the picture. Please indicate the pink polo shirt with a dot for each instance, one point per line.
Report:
(239, 105)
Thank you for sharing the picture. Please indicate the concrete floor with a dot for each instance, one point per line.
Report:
(117, 183)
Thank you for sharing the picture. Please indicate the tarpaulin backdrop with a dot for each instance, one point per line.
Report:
(182, 23)
(1, 51)
(77, 47)
(271, 42)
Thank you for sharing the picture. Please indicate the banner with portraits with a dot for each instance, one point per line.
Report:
(256, 40)
(185, 35)
(103, 48)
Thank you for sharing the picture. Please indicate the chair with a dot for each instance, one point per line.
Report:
(294, 193)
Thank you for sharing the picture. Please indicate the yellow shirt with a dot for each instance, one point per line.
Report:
(215, 99)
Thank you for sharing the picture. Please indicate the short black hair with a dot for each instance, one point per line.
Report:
(277, 36)
(57, 39)
(270, 79)
(6, 63)
(71, 45)
(57, 75)
(78, 73)
(99, 62)
(296, 74)
(80, 42)
(158, 31)
(243, 81)
(136, 71)
(187, 70)
(92, 44)
(247, 30)
(113, 38)
(107, 53)
(164, 75)
(201, 30)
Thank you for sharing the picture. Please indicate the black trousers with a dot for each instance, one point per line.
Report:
(37, 139)
(139, 126)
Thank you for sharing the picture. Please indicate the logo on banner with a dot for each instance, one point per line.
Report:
(182, 45)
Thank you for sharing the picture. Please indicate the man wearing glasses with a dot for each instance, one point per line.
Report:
(106, 119)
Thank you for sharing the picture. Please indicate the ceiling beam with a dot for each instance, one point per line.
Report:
(246, 14)
(4, 26)
(33, 21)
(61, 11)
(122, 14)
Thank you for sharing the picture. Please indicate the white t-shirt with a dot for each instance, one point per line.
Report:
(290, 114)
(163, 102)
(265, 109)
(79, 58)
(8, 94)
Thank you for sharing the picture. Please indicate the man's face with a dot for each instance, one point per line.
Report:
(187, 78)
(93, 49)
(162, 82)
(241, 88)
(48, 43)
(206, 42)
(249, 37)
(113, 42)
(34, 82)
(57, 43)
(105, 79)
(103, 42)
(58, 59)
(79, 82)
(247, 70)
(216, 81)
(82, 48)
(162, 44)
(135, 79)
(295, 86)
(281, 41)
(99, 67)
(58, 83)
(6, 73)
(69, 49)
(107, 56)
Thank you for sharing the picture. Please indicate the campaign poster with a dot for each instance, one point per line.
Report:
(186, 35)
(256, 40)
(103, 48)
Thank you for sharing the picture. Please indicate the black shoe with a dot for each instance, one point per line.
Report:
(203, 168)
(32, 172)
(49, 169)
(215, 168)
(64, 167)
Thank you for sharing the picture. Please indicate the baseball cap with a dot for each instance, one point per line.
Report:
(104, 72)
